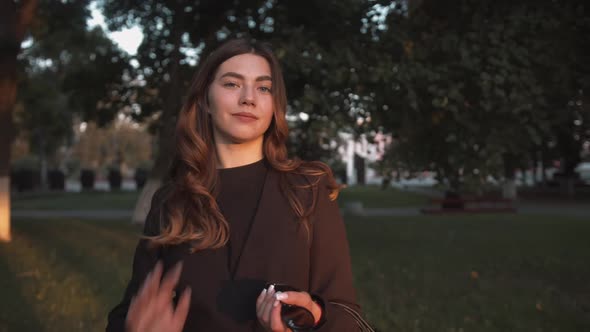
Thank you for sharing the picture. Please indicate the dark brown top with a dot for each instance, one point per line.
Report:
(238, 197)
(276, 249)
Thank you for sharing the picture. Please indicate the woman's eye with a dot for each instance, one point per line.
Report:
(230, 84)
(265, 89)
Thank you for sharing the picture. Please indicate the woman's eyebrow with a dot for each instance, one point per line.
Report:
(241, 77)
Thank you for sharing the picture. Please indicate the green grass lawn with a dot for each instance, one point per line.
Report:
(89, 200)
(374, 197)
(474, 273)
(467, 273)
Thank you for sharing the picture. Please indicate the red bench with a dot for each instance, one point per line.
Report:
(470, 205)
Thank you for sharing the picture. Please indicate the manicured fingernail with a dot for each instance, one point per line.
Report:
(275, 304)
(263, 291)
(281, 296)
(271, 288)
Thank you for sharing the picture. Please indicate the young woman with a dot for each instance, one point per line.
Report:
(237, 216)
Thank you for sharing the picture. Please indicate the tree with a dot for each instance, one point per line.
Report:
(67, 70)
(467, 97)
(77, 66)
(122, 144)
(320, 70)
(15, 19)
(45, 117)
(563, 65)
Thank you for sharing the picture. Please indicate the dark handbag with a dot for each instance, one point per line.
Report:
(363, 325)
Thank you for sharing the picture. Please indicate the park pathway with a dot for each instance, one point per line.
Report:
(558, 209)
(82, 214)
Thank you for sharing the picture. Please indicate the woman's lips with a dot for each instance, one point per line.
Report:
(245, 117)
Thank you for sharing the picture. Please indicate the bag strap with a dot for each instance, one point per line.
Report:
(360, 321)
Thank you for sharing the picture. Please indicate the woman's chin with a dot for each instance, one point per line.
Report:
(245, 139)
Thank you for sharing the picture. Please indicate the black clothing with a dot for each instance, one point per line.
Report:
(276, 249)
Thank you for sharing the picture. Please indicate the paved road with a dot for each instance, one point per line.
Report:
(563, 209)
(83, 214)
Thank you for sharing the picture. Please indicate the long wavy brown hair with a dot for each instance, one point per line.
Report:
(189, 212)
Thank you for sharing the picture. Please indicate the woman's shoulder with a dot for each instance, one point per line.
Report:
(314, 176)
(308, 172)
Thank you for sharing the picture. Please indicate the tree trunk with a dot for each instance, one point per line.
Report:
(569, 149)
(360, 167)
(7, 99)
(455, 181)
(13, 24)
(168, 120)
(535, 162)
(165, 134)
(509, 190)
(43, 160)
(543, 165)
(570, 186)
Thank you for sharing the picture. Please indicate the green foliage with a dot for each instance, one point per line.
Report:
(45, 117)
(30, 162)
(87, 65)
(461, 86)
(170, 29)
(319, 45)
(66, 70)
(96, 79)
(473, 84)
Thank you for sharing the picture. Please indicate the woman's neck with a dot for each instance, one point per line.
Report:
(235, 155)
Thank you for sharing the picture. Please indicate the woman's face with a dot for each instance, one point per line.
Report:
(240, 100)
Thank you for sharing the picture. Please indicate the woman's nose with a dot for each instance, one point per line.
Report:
(248, 96)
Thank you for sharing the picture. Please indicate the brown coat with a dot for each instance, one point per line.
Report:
(276, 250)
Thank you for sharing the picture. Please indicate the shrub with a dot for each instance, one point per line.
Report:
(141, 175)
(25, 173)
(115, 179)
(87, 178)
(56, 179)
(24, 179)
